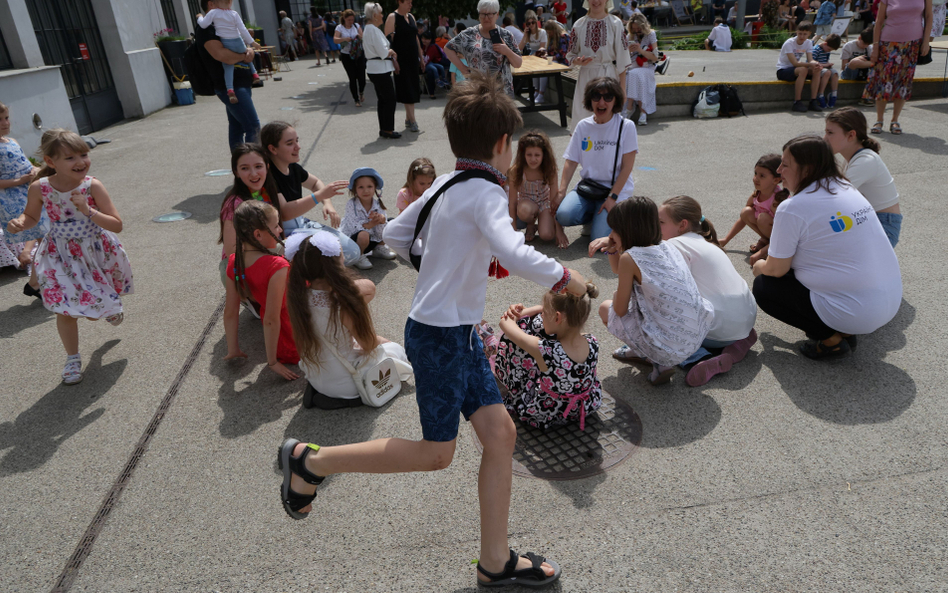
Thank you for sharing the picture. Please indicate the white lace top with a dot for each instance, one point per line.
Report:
(330, 377)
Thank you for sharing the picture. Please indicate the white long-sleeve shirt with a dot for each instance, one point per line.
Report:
(469, 224)
(227, 24)
(376, 49)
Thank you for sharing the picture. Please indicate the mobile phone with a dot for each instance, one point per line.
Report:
(495, 36)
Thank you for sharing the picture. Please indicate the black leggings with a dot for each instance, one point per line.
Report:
(355, 70)
(385, 91)
(786, 299)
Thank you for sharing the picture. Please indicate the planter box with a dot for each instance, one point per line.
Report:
(258, 35)
(174, 54)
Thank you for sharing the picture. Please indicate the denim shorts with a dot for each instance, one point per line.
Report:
(892, 225)
(789, 74)
(452, 376)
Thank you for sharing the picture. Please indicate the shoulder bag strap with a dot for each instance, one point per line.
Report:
(615, 163)
(426, 209)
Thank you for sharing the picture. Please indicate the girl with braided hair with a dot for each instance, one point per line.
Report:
(255, 271)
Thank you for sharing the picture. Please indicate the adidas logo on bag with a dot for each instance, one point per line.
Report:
(384, 384)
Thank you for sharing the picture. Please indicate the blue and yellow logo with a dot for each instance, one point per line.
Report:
(587, 144)
(840, 223)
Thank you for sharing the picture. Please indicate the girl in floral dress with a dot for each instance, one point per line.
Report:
(82, 268)
(546, 363)
(16, 174)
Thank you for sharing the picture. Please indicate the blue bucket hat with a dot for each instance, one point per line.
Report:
(366, 172)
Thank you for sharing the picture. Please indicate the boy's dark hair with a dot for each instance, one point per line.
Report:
(832, 40)
(636, 222)
(603, 85)
(805, 26)
(866, 34)
(427, 35)
(816, 161)
(507, 21)
(718, 21)
(477, 115)
(634, 4)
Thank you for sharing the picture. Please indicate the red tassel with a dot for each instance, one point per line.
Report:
(496, 270)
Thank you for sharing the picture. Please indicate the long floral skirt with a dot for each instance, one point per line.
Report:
(893, 75)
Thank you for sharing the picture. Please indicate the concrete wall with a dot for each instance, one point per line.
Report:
(40, 91)
(18, 34)
(265, 15)
(127, 28)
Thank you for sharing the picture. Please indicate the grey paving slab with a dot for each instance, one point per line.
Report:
(783, 475)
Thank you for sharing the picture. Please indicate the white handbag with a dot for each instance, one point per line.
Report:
(377, 384)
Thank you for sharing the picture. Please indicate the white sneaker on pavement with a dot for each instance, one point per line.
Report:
(363, 263)
(383, 252)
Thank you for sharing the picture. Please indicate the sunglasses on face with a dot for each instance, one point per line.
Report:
(596, 96)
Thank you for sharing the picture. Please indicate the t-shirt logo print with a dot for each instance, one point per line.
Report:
(840, 223)
(587, 144)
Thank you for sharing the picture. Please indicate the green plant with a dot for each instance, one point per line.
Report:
(771, 38)
(696, 41)
(251, 25)
(167, 35)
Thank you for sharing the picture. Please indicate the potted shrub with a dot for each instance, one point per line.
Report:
(172, 46)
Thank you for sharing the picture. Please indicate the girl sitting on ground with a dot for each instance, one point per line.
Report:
(364, 219)
(657, 310)
(546, 363)
(532, 180)
(846, 133)
(255, 271)
(761, 206)
(421, 174)
(327, 303)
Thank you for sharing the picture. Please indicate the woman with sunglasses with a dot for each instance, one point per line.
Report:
(475, 47)
(605, 165)
(597, 44)
(534, 43)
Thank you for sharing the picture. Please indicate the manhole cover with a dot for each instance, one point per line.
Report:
(218, 173)
(176, 216)
(567, 453)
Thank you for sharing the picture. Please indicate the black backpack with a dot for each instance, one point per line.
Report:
(731, 103)
(198, 75)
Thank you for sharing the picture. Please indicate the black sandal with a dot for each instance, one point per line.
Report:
(293, 501)
(817, 350)
(31, 292)
(526, 577)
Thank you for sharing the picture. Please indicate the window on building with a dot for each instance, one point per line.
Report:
(5, 62)
(171, 21)
(194, 7)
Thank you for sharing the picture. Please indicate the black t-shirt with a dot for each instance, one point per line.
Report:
(242, 76)
(290, 185)
(799, 14)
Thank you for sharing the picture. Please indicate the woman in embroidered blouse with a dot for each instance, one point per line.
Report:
(474, 46)
(598, 44)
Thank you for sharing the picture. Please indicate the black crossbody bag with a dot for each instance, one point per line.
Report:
(426, 209)
(593, 190)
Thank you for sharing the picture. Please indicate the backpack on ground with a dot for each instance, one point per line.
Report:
(708, 103)
(198, 75)
(731, 103)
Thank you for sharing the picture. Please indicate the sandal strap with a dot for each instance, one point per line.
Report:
(505, 573)
(298, 467)
(534, 571)
(298, 501)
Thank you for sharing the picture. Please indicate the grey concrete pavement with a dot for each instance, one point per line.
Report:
(783, 475)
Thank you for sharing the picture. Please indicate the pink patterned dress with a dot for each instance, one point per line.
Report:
(82, 268)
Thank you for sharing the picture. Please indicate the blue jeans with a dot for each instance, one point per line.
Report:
(434, 72)
(575, 210)
(236, 45)
(242, 120)
(350, 249)
(703, 351)
(892, 225)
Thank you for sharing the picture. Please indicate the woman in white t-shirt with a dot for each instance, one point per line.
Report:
(830, 271)
(846, 133)
(346, 32)
(604, 162)
(535, 38)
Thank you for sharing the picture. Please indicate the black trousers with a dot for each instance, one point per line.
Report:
(355, 70)
(385, 91)
(786, 299)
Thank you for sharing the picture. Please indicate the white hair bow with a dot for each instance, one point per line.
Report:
(327, 243)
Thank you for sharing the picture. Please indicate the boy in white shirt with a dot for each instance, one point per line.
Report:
(795, 64)
(855, 56)
(719, 39)
(459, 228)
(234, 36)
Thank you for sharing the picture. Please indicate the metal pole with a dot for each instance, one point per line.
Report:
(741, 10)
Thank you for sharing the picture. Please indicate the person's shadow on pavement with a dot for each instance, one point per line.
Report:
(36, 434)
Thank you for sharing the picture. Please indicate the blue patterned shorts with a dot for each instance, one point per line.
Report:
(452, 375)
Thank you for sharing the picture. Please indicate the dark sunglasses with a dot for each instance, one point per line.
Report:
(596, 96)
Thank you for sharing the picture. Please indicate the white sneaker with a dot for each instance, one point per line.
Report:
(538, 98)
(383, 252)
(643, 121)
(363, 263)
(72, 372)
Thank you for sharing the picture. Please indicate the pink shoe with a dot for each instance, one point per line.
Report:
(739, 349)
(702, 372)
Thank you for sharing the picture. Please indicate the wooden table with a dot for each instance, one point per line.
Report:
(534, 67)
(263, 61)
(942, 45)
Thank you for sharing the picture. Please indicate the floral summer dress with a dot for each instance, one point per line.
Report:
(537, 192)
(82, 268)
(567, 392)
(13, 164)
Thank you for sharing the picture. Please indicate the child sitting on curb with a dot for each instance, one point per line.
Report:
(795, 64)
(855, 57)
(829, 75)
(468, 225)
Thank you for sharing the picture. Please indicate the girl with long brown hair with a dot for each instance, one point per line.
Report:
(532, 180)
(328, 303)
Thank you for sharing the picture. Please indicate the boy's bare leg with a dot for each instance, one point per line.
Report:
(497, 433)
(800, 82)
(815, 84)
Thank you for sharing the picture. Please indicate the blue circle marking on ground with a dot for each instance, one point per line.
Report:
(647, 169)
(172, 217)
(218, 173)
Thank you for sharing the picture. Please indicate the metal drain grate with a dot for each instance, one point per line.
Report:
(567, 453)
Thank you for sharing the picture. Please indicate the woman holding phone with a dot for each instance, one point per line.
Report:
(486, 47)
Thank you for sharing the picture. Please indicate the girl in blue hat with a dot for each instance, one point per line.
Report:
(364, 218)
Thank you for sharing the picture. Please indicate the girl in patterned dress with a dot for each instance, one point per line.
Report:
(16, 174)
(546, 363)
(657, 309)
(532, 180)
(82, 268)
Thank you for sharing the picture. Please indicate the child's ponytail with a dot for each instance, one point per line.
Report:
(249, 217)
(686, 208)
(851, 119)
(575, 308)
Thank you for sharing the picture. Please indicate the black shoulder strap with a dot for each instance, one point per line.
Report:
(426, 209)
(618, 145)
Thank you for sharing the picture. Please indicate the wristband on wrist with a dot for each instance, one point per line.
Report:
(313, 195)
